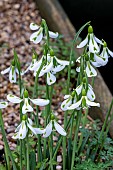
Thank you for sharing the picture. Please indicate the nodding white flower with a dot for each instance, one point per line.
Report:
(72, 99)
(84, 102)
(22, 129)
(12, 70)
(27, 107)
(102, 59)
(91, 41)
(52, 66)
(3, 104)
(53, 125)
(37, 36)
(31, 65)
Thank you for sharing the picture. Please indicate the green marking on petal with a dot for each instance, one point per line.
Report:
(3, 103)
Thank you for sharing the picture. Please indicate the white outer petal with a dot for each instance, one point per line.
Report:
(67, 96)
(53, 35)
(79, 89)
(58, 68)
(6, 70)
(22, 130)
(34, 26)
(90, 103)
(78, 59)
(110, 52)
(36, 37)
(75, 105)
(48, 130)
(83, 43)
(16, 136)
(30, 121)
(66, 103)
(37, 65)
(40, 102)
(50, 78)
(3, 105)
(26, 107)
(48, 67)
(62, 62)
(13, 98)
(12, 76)
(97, 40)
(78, 69)
(59, 129)
(93, 46)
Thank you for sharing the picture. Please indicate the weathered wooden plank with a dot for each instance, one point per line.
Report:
(57, 20)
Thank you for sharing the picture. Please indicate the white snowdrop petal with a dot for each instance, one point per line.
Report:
(97, 40)
(50, 78)
(14, 99)
(78, 59)
(23, 130)
(90, 93)
(36, 37)
(75, 105)
(90, 103)
(96, 64)
(31, 128)
(26, 107)
(62, 62)
(66, 103)
(83, 43)
(79, 89)
(48, 67)
(3, 104)
(36, 65)
(39, 131)
(66, 96)
(12, 76)
(5, 71)
(30, 121)
(40, 102)
(110, 52)
(53, 35)
(48, 130)
(59, 129)
(78, 69)
(58, 68)
(34, 26)
(93, 46)
(18, 128)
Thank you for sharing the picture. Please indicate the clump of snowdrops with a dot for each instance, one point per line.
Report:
(76, 102)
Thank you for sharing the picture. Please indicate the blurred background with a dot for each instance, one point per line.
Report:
(100, 13)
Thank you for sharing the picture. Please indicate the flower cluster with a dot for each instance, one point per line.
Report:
(96, 53)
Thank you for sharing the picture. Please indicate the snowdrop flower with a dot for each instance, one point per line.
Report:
(37, 36)
(3, 104)
(102, 59)
(27, 107)
(22, 129)
(84, 102)
(12, 70)
(91, 41)
(53, 125)
(73, 98)
(52, 66)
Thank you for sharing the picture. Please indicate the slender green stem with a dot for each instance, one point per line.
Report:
(7, 158)
(103, 128)
(51, 150)
(5, 141)
(76, 138)
(27, 143)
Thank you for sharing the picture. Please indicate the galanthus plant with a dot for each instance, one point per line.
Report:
(36, 145)
(12, 70)
(27, 107)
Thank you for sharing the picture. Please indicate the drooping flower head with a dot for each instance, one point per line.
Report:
(27, 107)
(53, 125)
(25, 125)
(37, 36)
(12, 70)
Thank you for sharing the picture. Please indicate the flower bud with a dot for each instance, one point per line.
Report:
(24, 117)
(25, 93)
(84, 80)
(51, 52)
(90, 29)
(13, 63)
(52, 116)
(33, 56)
(105, 44)
(83, 92)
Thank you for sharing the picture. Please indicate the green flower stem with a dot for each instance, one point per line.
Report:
(27, 143)
(5, 141)
(76, 138)
(103, 128)
(50, 149)
(7, 158)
